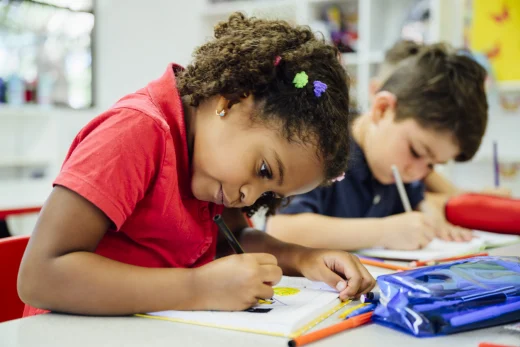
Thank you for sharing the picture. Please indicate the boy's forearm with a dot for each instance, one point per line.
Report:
(86, 283)
(313, 230)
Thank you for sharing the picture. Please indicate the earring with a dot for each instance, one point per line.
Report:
(221, 113)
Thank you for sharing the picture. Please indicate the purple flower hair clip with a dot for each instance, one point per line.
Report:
(277, 60)
(319, 88)
(339, 178)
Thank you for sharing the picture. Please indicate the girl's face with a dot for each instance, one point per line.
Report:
(235, 161)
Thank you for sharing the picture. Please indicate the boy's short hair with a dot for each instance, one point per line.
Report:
(444, 91)
(400, 51)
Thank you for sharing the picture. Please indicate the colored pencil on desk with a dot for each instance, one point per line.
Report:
(333, 329)
(488, 344)
(383, 265)
(369, 258)
(350, 310)
(437, 261)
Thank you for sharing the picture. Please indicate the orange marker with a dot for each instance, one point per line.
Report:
(437, 261)
(383, 264)
(333, 329)
(487, 344)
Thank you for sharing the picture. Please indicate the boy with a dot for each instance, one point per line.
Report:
(438, 188)
(432, 109)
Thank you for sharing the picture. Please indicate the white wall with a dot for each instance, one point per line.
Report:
(136, 39)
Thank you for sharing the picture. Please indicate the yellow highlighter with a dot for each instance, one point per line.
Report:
(350, 310)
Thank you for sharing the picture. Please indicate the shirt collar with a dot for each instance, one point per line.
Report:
(166, 97)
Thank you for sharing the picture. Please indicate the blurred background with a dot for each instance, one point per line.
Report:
(62, 62)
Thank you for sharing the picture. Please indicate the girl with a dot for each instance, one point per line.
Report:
(261, 114)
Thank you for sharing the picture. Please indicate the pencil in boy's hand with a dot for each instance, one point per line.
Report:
(333, 329)
(233, 242)
(496, 165)
(442, 260)
(401, 190)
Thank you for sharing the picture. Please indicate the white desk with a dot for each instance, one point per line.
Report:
(24, 196)
(55, 330)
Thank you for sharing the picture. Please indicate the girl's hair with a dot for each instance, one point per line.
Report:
(241, 61)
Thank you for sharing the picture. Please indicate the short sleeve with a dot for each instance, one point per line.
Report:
(113, 160)
(306, 203)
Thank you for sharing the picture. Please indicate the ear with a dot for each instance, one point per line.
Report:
(222, 104)
(383, 102)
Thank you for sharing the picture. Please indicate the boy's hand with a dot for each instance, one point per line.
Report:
(407, 231)
(333, 267)
(236, 282)
(443, 229)
(450, 232)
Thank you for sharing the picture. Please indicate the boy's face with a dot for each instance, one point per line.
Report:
(406, 144)
(235, 161)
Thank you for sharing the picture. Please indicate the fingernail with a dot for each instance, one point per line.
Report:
(341, 285)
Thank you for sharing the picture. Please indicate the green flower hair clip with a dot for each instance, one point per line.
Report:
(300, 80)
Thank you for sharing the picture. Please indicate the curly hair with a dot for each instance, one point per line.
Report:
(240, 61)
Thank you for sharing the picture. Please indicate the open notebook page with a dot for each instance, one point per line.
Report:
(297, 302)
(434, 250)
(494, 239)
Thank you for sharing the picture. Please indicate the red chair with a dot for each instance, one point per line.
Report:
(11, 252)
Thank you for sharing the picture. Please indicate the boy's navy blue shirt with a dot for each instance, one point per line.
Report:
(359, 195)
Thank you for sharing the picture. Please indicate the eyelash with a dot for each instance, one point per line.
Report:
(265, 172)
(414, 153)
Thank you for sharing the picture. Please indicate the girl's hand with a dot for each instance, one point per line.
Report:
(236, 282)
(338, 269)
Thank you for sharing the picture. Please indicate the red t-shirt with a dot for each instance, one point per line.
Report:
(132, 163)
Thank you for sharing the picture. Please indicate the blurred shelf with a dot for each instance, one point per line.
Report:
(40, 111)
(20, 161)
(25, 111)
(349, 58)
(376, 57)
(509, 86)
(223, 9)
(24, 193)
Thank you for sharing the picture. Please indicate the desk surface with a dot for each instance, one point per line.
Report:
(23, 194)
(65, 331)
(58, 330)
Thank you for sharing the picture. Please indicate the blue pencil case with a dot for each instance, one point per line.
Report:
(452, 297)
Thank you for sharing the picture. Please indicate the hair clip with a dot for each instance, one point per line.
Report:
(300, 80)
(277, 60)
(319, 88)
(339, 178)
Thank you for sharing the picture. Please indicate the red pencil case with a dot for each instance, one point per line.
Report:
(485, 212)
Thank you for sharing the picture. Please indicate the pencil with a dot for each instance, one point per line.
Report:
(350, 310)
(384, 265)
(401, 190)
(233, 242)
(496, 166)
(436, 261)
(333, 329)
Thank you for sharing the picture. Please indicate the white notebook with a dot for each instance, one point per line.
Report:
(297, 306)
(496, 240)
(435, 250)
(438, 249)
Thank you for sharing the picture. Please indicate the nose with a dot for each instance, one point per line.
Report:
(249, 194)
